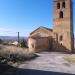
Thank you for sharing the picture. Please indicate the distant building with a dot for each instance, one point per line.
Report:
(15, 43)
(61, 38)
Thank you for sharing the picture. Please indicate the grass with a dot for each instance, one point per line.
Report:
(11, 56)
(70, 59)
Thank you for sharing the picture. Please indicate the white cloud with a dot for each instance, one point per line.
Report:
(11, 32)
(4, 29)
(6, 32)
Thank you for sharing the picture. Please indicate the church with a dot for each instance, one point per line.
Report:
(61, 37)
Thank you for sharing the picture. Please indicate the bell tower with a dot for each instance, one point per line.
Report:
(63, 23)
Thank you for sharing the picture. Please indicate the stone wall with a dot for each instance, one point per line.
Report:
(40, 44)
(64, 26)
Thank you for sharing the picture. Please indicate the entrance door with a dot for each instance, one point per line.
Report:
(50, 44)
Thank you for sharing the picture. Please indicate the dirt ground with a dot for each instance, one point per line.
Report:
(48, 63)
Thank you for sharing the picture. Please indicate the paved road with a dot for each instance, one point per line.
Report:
(48, 63)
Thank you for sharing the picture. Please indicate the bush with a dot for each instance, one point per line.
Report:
(23, 43)
(16, 58)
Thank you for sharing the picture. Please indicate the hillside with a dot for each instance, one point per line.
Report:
(14, 38)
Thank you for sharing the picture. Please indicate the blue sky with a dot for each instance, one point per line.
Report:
(24, 16)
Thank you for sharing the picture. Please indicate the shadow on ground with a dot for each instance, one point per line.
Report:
(34, 72)
(4, 68)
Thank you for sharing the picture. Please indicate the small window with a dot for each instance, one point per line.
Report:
(61, 14)
(63, 5)
(61, 38)
(61, 44)
(58, 5)
(32, 45)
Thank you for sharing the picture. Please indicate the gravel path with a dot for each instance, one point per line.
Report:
(48, 61)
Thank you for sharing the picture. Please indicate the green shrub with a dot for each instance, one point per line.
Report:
(23, 43)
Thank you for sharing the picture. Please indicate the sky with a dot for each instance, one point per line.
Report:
(24, 16)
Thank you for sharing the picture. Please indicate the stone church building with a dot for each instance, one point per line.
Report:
(61, 37)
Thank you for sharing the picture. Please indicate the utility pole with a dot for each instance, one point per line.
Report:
(18, 37)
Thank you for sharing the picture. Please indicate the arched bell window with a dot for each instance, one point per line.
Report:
(61, 14)
(63, 5)
(58, 5)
